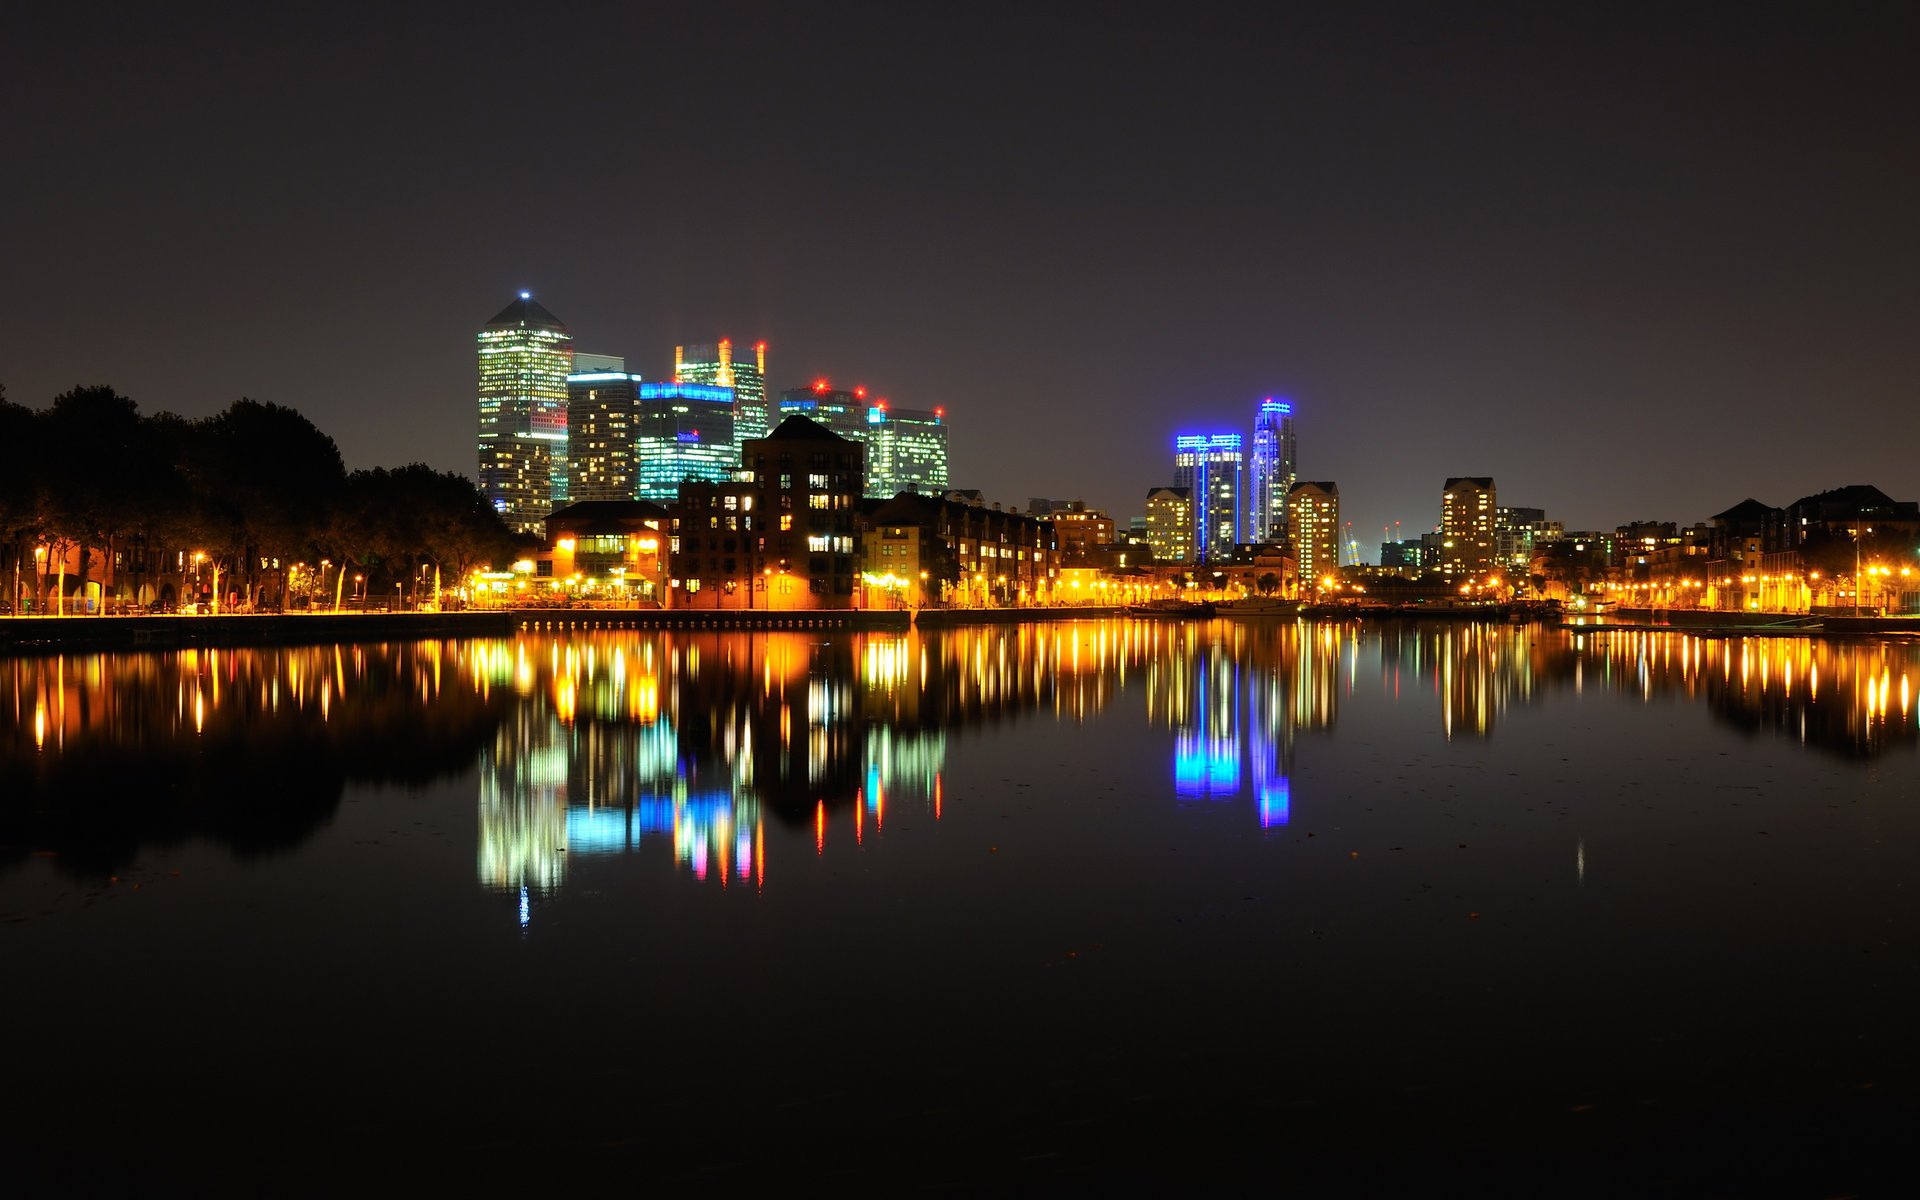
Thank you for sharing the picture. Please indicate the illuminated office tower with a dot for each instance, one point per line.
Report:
(682, 432)
(1467, 512)
(526, 355)
(1274, 464)
(1214, 466)
(602, 415)
(836, 409)
(1170, 524)
(906, 451)
(1313, 520)
(714, 364)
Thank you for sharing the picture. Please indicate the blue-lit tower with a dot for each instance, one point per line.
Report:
(1213, 465)
(1274, 467)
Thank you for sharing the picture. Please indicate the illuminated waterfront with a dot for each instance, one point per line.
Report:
(997, 902)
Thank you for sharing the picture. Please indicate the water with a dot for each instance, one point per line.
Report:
(1339, 904)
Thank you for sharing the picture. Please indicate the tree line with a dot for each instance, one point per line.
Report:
(241, 507)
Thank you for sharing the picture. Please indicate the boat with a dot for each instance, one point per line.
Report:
(1190, 609)
(1259, 607)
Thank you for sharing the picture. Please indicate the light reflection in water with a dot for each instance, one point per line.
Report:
(617, 743)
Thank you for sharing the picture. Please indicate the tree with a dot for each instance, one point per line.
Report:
(266, 483)
(1268, 583)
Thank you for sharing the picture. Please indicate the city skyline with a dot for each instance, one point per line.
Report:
(1554, 249)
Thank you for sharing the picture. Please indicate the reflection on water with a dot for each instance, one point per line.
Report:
(615, 743)
(103, 754)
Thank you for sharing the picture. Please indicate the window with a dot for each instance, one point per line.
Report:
(817, 482)
(786, 522)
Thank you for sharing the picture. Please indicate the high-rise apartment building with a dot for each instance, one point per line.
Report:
(1214, 467)
(714, 363)
(1468, 510)
(526, 355)
(1313, 522)
(906, 451)
(602, 408)
(1169, 524)
(1275, 464)
(683, 432)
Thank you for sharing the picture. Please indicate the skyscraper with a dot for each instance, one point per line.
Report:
(1467, 511)
(906, 451)
(526, 355)
(682, 432)
(1274, 467)
(1313, 521)
(602, 408)
(714, 363)
(844, 412)
(1213, 465)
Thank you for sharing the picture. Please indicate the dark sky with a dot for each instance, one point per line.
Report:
(1633, 262)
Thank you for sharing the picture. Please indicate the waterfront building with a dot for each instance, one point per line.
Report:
(1313, 522)
(1081, 530)
(602, 411)
(1169, 524)
(612, 548)
(714, 363)
(973, 555)
(682, 432)
(525, 356)
(906, 450)
(781, 533)
(1214, 466)
(1274, 468)
(1467, 507)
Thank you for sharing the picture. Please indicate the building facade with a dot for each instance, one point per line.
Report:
(1213, 466)
(906, 450)
(1313, 523)
(602, 408)
(963, 554)
(525, 356)
(782, 534)
(1468, 509)
(1274, 470)
(1169, 524)
(835, 409)
(683, 432)
(714, 363)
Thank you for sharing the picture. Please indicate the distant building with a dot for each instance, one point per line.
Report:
(602, 411)
(906, 450)
(714, 363)
(683, 432)
(1081, 530)
(1169, 524)
(1516, 531)
(783, 534)
(525, 356)
(836, 409)
(1313, 524)
(1214, 467)
(1274, 470)
(1467, 511)
(1402, 556)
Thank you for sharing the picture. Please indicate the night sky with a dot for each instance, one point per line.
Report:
(1633, 262)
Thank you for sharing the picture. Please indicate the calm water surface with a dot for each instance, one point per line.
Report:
(1327, 903)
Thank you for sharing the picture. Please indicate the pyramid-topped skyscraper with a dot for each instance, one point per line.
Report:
(526, 355)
